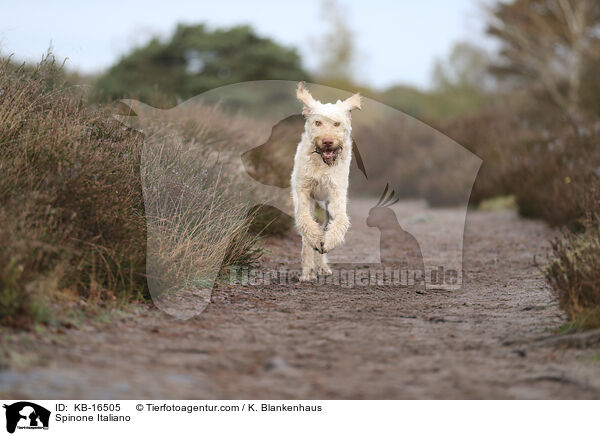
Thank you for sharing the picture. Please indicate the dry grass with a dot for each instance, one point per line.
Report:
(574, 274)
(72, 210)
(72, 214)
(196, 205)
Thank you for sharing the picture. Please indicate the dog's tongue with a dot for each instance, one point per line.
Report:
(328, 154)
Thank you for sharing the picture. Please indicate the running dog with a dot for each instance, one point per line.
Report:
(320, 175)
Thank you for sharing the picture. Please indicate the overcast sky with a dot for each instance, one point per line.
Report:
(398, 41)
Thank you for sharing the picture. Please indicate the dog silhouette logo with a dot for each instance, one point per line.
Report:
(26, 415)
(246, 135)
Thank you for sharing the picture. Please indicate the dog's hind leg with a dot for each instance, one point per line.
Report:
(307, 257)
(308, 262)
(321, 265)
(321, 259)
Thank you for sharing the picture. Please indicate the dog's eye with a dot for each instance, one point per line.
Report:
(336, 124)
(318, 123)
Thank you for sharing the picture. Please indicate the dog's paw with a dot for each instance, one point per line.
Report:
(324, 270)
(315, 241)
(329, 243)
(308, 276)
(320, 248)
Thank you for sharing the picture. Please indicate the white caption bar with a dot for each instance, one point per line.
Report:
(160, 417)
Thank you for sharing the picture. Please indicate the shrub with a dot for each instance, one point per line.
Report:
(553, 174)
(71, 205)
(574, 275)
(490, 136)
(72, 212)
(552, 179)
(548, 169)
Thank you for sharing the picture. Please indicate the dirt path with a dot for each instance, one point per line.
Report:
(308, 341)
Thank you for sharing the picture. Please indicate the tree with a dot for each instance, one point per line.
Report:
(549, 47)
(465, 68)
(462, 81)
(195, 59)
(336, 47)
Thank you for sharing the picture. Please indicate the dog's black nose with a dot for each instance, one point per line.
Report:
(327, 142)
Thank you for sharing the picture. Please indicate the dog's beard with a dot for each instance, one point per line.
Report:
(328, 155)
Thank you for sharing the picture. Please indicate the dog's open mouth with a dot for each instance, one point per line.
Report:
(329, 155)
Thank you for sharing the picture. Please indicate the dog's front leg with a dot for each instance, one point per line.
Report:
(339, 225)
(305, 222)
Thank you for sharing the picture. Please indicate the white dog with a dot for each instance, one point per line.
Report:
(321, 170)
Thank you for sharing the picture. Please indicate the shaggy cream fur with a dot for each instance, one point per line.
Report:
(320, 175)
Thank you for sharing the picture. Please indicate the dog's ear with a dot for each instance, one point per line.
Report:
(353, 102)
(305, 97)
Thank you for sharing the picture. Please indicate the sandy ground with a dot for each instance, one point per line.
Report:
(330, 342)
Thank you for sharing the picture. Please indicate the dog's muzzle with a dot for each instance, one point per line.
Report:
(328, 154)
